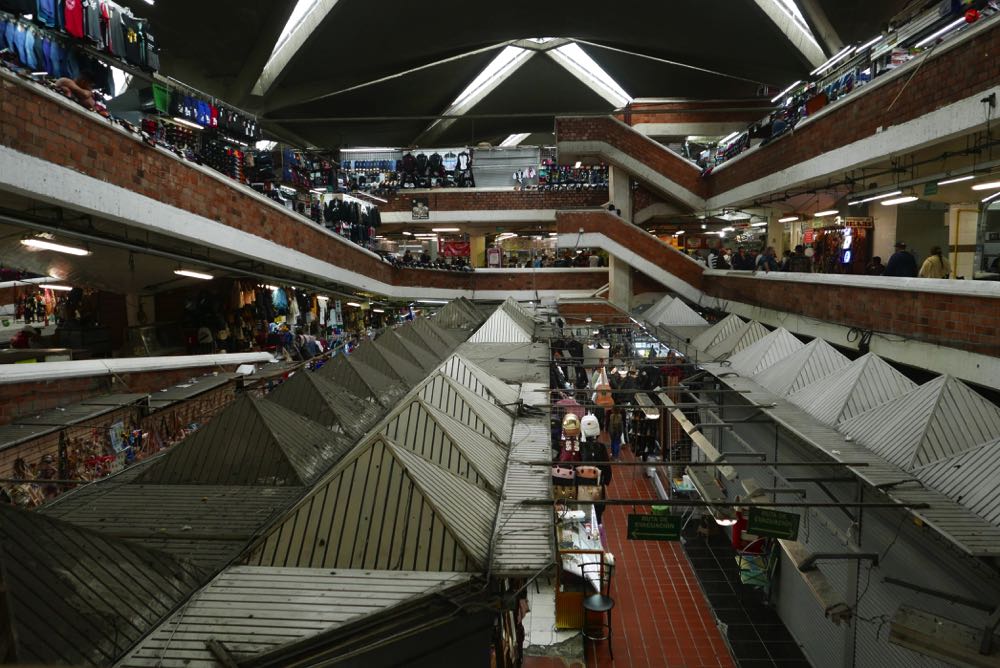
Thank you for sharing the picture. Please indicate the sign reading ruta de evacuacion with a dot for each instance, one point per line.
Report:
(773, 524)
(654, 527)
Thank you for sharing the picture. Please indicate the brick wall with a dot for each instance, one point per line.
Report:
(969, 323)
(635, 145)
(600, 312)
(479, 281)
(696, 111)
(641, 283)
(509, 200)
(637, 240)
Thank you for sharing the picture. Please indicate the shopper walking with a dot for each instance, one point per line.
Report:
(766, 261)
(936, 265)
(902, 263)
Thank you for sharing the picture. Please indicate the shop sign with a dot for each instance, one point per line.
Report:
(654, 527)
(808, 236)
(773, 524)
(866, 223)
(931, 188)
(421, 209)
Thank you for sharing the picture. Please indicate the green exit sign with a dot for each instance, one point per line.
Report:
(931, 188)
(773, 524)
(654, 527)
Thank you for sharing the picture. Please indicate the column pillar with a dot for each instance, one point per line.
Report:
(477, 250)
(620, 190)
(884, 232)
(963, 233)
(620, 277)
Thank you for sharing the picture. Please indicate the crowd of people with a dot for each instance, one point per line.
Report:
(903, 264)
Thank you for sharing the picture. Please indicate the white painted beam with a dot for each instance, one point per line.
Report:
(793, 32)
(280, 59)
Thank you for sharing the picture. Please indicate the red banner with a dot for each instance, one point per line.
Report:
(455, 249)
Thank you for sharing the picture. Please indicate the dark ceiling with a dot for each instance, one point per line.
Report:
(221, 47)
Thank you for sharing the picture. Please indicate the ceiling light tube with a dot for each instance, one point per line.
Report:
(378, 310)
(824, 214)
(785, 92)
(865, 47)
(187, 123)
(957, 179)
(900, 200)
(193, 274)
(875, 198)
(354, 304)
(407, 234)
(758, 224)
(789, 219)
(993, 185)
(61, 288)
(991, 197)
(445, 229)
(678, 233)
(42, 244)
(432, 301)
(730, 137)
(933, 36)
(846, 51)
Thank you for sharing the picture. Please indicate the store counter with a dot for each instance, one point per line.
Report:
(580, 542)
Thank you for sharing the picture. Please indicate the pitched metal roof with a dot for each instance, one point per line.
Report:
(73, 596)
(402, 366)
(377, 359)
(743, 337)
(765, 352)
(425, 356)
(322, 400)
(958, 524)
(458, 401)
(719, 331)
(653, 312)
(361, 379)
(971, 478)
(679, 314)
(189, 390)
(458, 314)
(476, 378)
(816, 360)
(384, 507)
(66, 416)
(452, 445)
(256, 609)
(510, 362)
(438, 339)
(520, 314)
(207, 524)
(939, 419)
(863, 384)
(341, 371)
(252, 442)
(502, 328)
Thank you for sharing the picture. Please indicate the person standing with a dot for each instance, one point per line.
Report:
(936, 265)
(766, 261)
(902, 263)
(875, 267)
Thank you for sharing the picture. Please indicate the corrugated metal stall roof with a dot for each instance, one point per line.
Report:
(448, 443)
(425, 356)
(971, 478)
(502, 328)
(66, 416)
(476, 378)
(321, 400)
(745, 336)
(480, 413)
(385, 507)
(401, 365)
(816, 360)
(340, 370)
(765, 352)
(76, 597)
(208, 524)
(252, 609)
(941, 418)
(125, 399)
(958, 524)
(252, 442)
(656, 310)
(458, 314)
(436, 338)
(677, 313)
(522, 315)
(373, 357)
(510, 362)
(718, 332)
(189, 390)
(863, 384)
(15, 434)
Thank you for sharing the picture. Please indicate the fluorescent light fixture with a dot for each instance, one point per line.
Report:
(323, 298)
(378, 310)
(407, 234)
(823, 214)
(870, 44)
(553, 234)
(41, 73)
(758, 224)
(957, 179)
(729, 137)
(789, 219)
(42, 244)
(843, 53)
(785, 92)
(728, 229)
(149, 2)
(317, 190)
(993, 185)
(271, 287)
(193, 274)
(446, 229)
(704, 226)
(875, 198)
(185, 122)
(900, 200)
(678, 233)
(933, 36)
(354, 304)
(432, 301)
(991, 197)
(578, 165)
(61, 288)
(514, 140)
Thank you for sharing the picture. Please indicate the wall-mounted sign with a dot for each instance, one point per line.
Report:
(769, 523)
(866, 223)
(421, 209)
(654, 527)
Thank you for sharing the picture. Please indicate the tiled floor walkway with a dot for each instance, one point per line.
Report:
(661, 617)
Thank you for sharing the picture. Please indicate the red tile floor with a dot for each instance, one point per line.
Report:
(661, 617)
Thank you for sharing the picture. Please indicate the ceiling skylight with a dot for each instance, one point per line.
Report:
(791, 8)
(585, 68)
(498, 67)
(305, 18)
(302, 9)
(514, 140)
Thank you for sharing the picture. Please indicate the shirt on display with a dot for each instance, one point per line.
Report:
(92, 21)
(132, 38)
(450, 161)
(73, 17)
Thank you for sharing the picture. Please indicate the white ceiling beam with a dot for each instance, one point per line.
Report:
(300, 34)
(821, 25)
(799, 36)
